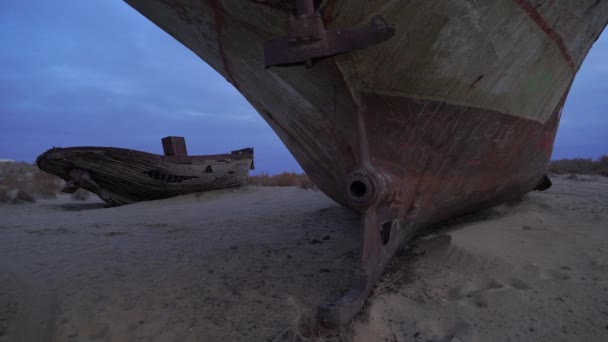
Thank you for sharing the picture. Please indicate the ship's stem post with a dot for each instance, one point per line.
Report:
(305, 7)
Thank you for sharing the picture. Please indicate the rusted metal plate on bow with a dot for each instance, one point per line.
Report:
(307, 39)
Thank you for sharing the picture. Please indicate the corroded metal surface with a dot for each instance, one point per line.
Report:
(307, 38)
(457, 111)
(121, 176)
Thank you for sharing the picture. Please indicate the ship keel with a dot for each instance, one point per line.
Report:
(380, 242)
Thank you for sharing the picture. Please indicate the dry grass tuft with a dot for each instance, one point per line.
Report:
(23, 182)
(282, 179)
(580, 166)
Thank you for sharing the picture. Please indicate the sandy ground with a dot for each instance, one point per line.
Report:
(249, 264)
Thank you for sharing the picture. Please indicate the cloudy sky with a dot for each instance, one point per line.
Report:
(95, 72)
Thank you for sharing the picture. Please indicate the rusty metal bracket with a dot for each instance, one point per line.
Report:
(307, 38)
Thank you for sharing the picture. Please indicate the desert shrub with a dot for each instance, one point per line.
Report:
(15, 196)
(578, 165)
(3, 194)
(24, 196)
(282, 179)
(44, 184)
(601, 166)
(581, 166)
(23, 182)
(81, 195)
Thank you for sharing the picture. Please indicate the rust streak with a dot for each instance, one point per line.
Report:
(475, 82)
(219, 19)
(329, 12)
(540, 21)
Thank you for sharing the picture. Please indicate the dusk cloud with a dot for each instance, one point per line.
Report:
(96, 72)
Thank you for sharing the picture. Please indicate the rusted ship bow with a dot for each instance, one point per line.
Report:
(408, 111)
(121, 176)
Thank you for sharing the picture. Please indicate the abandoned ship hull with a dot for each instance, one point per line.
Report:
(456, 112)
(122, 176)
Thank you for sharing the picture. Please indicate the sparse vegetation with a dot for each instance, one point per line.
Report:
(580, 166)
(282, 179)
(24, 196)
(23, 182)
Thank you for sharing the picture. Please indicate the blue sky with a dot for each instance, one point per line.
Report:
(96, 72)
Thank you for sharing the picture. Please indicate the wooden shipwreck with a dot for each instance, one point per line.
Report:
(121, 176)
(409, 111)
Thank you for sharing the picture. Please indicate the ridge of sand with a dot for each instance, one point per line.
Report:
(246, 264)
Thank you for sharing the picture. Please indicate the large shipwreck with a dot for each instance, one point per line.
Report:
(121, 176)
(409, 111)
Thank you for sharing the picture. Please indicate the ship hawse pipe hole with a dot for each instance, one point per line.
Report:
(385, 231)
(358, 189)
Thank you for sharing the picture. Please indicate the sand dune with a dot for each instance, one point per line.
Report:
(528, 271)
(252, 264)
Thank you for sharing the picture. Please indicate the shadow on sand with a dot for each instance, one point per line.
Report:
(82, 206)
(487, 214)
